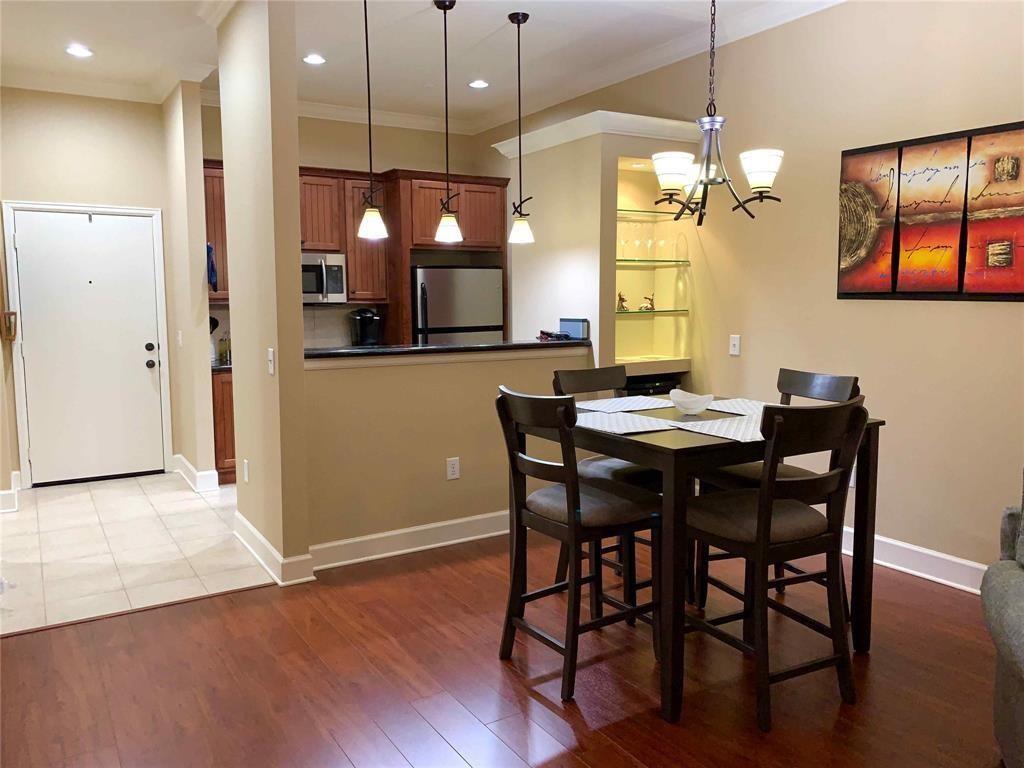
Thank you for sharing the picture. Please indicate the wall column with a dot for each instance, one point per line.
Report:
(188, 305)
(259, 123)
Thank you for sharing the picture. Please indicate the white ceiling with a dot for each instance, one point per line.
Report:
(570, 47)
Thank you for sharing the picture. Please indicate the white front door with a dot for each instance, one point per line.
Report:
(89, 338)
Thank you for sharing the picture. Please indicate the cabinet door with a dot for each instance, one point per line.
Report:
(426, 209)
(224, 427)
(367, 259)
(320, 214)
(216, 229)
(481, 215)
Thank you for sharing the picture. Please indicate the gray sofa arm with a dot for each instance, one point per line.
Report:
(1009, 532)
(1002, 595)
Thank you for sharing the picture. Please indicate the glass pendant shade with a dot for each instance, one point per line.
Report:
(521, 232)
(760, 167)
(448, 229)
(372, 225)
(673, 170)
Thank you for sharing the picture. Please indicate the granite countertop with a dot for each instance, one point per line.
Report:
(320, 353)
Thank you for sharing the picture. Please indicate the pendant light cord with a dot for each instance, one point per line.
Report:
(369, 112)
(447, 174)
(519, 98)
(712, 109)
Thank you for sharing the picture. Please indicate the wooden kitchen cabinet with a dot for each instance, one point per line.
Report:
(367, 259)
(425, 200)
(481, 215)
(223, 427)
(216, 229)
(320, 214)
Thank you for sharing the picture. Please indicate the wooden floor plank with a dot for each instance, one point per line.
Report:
(392, 664)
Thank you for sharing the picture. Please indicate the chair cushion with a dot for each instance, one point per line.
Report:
(598, 506)
(606, 472)
(733, 515)
(749, 474)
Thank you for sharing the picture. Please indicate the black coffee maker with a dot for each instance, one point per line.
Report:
(365, 327)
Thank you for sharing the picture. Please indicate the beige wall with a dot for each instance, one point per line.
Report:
(188, 307)
(335, 144)
(378, 437)
(256, 44)
(851, 76)
(57, 148)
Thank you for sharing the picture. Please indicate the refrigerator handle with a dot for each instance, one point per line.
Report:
(424, 322)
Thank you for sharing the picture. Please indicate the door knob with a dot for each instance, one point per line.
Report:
(151, 364)
(149, 346)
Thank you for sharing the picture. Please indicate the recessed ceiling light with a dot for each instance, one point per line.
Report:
(314, 58)
(479, 84)
(79, 51)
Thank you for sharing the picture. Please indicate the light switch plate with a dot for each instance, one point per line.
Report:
(245, 470)
(734, 345)
(270, 360)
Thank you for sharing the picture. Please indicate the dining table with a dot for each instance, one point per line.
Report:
(681, 455)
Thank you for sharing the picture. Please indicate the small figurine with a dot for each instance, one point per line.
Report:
(621, 306)
(649, 306)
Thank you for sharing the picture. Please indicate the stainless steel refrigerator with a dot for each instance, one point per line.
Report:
(457, 305)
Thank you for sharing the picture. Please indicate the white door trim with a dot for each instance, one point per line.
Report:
(14, 303)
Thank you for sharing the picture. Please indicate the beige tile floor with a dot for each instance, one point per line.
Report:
(89, 549)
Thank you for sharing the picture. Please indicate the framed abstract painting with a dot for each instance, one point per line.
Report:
(939, 217)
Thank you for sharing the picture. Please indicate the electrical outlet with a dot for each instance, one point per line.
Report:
(734, 345)
(451, 468)
(270, 360)
(245, 470)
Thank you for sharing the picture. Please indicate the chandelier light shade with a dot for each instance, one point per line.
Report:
(448, 229)
(760, 167)
(675, 171)
(689, 188)
(521, 232)
(371, 227)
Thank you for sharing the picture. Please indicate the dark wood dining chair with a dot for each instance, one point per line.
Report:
(608, 472)
(573, 514)
(774, 523)
(791, 383)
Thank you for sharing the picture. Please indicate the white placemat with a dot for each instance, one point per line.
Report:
(620, 404)
(738, 405)
(622, 423)
(743, 429)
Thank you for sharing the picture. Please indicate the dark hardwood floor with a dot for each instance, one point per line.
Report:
(395, 663)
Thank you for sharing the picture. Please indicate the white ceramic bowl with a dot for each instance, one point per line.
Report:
(689, 403)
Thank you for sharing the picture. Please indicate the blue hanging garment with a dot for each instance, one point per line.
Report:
(211, 268)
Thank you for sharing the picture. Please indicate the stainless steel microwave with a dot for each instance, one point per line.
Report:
(324, 280)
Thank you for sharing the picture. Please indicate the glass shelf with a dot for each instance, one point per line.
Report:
(653, 262)
(632, 214)
(653, 312)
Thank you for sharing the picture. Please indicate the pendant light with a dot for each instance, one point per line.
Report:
(371, 227)
(686, 184)
(448, 228)
(521, 232)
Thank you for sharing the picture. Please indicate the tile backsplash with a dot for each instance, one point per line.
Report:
(328, 326)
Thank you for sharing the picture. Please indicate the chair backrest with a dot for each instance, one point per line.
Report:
(579, 381)
(795, 431)
(553, 417)
(816, 386)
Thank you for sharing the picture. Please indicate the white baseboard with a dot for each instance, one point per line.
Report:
(201, 481)
(926, 563)
(284, 570)
(9, 498)
(390, 543)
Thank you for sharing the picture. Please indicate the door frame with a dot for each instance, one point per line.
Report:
(10, 207)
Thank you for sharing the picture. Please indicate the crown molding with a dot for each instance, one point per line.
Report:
(33, 80)
(345, 114)
(601, 121)
(213, 12)
(730, 29)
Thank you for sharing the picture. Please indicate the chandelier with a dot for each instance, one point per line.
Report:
(685, 183)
